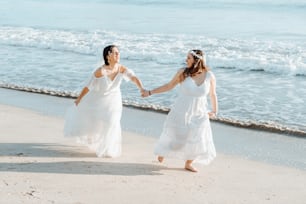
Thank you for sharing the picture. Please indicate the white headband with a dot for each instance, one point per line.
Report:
(196, 55)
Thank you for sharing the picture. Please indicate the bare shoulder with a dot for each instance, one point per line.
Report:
(180, 71)
(211, 76)
(98, 73)
(122, 68)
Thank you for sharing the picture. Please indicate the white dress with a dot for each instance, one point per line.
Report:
(187, 133)
(96, 120)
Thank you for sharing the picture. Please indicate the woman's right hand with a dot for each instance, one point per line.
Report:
(77, 101)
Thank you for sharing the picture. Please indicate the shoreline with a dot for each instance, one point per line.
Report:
(236, 123)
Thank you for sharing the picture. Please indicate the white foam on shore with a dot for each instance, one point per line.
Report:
(269, 56)
(259, 125)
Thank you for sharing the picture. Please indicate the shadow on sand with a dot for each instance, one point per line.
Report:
(83, 167)
(43, 150)
(99, 167)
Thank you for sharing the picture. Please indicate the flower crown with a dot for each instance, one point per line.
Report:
(196, 55)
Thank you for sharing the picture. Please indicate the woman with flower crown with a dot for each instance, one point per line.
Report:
(187, 133)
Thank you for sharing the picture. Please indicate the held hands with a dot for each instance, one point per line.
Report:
(145, 93)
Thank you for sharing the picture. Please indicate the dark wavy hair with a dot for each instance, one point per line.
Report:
(107, 50)
(198, 66)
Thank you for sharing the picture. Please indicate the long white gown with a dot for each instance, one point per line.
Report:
(187, 133)
(96, 120)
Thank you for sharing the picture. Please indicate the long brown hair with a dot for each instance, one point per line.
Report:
(198, 66)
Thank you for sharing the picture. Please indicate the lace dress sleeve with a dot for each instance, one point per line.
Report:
(91, 82)
(128, 74)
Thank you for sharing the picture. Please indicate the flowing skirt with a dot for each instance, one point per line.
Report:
(96, 123)
(187, 132)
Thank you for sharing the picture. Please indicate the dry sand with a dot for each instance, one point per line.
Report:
(39, 165)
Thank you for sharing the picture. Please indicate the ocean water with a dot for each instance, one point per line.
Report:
(257, 50)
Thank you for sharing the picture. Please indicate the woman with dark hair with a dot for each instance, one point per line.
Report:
(95, 118)
(187, 133)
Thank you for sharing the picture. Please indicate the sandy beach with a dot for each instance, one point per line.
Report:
(39, 165)
(49, 50)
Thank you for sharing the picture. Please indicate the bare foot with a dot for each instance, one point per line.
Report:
(160, 159)
(189, 167)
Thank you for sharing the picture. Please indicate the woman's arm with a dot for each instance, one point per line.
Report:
(85, 90)
(131, 76)
(166, 87)
(138, 83)
(213, 96)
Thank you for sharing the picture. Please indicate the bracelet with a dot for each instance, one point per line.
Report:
(150, 93)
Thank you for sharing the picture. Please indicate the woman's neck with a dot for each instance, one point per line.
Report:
(111, 66)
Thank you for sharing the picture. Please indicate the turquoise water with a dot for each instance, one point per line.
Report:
(257, 50)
